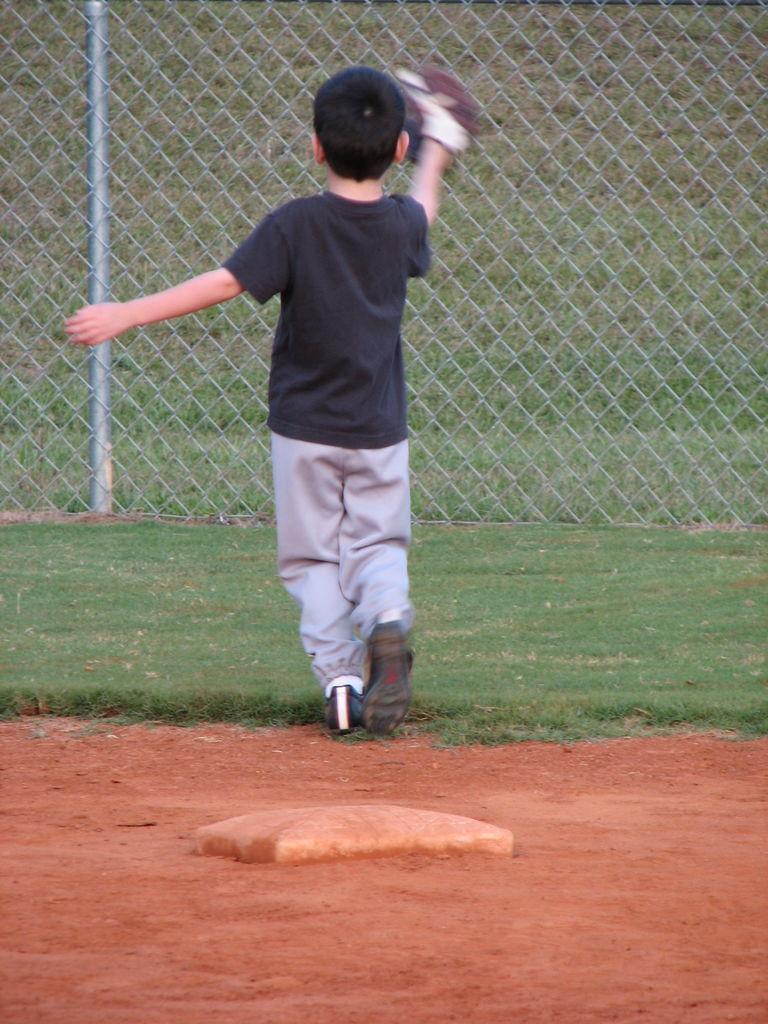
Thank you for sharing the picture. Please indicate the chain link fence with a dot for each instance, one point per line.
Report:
(590, 345)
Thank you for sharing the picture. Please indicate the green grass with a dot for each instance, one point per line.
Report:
(595, 314)
(536, 632)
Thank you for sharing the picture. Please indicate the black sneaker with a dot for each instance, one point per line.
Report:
(388, 690)
(343, 710)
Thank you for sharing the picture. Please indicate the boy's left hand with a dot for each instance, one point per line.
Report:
(93, 325)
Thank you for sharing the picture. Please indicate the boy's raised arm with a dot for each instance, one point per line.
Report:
(434, 160)
(93, 325)
(445, 121)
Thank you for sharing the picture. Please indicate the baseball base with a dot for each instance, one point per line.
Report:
(312, 834)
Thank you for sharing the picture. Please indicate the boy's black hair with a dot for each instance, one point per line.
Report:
(358, 117)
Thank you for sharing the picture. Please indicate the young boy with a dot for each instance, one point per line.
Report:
(340, 262)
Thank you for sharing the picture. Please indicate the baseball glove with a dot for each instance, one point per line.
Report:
(439, 108)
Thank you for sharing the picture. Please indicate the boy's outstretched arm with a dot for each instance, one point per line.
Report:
(94, 324)
(434, 161)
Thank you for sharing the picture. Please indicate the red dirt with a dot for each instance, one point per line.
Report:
(637, 890)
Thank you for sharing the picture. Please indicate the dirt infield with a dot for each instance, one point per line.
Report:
(637, 891)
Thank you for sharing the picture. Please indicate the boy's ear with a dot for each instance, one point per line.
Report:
(317, 150)
(402, 147)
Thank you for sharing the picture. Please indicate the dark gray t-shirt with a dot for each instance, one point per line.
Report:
(341, 270)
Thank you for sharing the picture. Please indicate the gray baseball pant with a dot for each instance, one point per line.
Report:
(343, 530)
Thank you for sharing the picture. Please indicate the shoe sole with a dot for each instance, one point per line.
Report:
(340, 715)
(339, 711)
(388, 697)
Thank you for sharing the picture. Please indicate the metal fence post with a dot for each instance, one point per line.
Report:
(99, 363)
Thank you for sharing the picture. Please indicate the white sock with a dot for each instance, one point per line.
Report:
(393, 615)
(354, 682)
